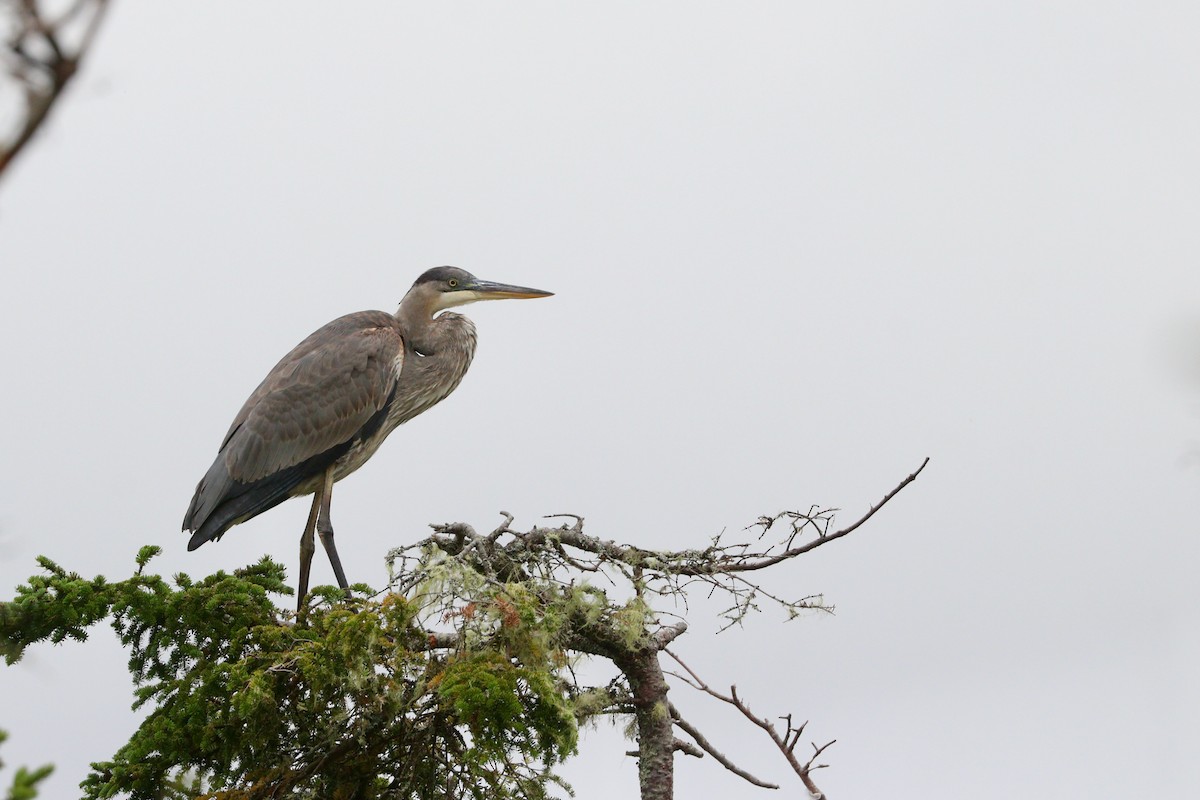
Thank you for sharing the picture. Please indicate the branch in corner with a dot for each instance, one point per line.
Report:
(42, 54)
(786, 742)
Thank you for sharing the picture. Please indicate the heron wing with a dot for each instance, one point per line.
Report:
(319, 396)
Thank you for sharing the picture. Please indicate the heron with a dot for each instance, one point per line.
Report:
(327, 406)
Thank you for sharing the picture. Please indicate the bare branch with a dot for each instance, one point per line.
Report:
(792, 552)
(665, 635)
(785, 742)
(501, 529)
(707, 746)
(808, 767)
(43, 65)
(558, 556)
(461, 531)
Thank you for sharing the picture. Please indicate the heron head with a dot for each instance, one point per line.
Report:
(446, 287)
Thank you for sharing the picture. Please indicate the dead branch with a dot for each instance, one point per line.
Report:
(42, 55)
(669, 633)
(792, 552)
(786, 742)
(553, 554)
(714, 559)
(707, 746)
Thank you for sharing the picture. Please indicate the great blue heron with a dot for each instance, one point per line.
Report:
(328, 405)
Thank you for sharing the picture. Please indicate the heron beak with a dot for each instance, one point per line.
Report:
(487, 290)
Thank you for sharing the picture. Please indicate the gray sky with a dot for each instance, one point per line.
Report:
(796, 247)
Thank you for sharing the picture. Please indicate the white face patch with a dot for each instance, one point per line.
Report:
(461, 298)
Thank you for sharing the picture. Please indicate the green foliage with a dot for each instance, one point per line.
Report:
(24, 785)
(507, 707)
(351, 700)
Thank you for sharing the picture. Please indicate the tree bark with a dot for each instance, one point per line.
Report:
(656, 731)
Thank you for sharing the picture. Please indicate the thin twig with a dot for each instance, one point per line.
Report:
(814, 544)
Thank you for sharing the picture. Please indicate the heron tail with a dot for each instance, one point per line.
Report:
(221, 502)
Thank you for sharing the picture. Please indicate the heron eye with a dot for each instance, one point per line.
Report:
(452, 282)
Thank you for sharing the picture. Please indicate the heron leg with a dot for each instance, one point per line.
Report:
(325, 530)
(307, 547)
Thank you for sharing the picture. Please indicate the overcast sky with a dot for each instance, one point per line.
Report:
(796, 248)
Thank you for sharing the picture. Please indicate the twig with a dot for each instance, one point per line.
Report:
(786, 743)
(814, 544)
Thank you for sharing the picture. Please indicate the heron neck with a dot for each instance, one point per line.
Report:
(417, 324)
(437, 356)
(426, 333)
